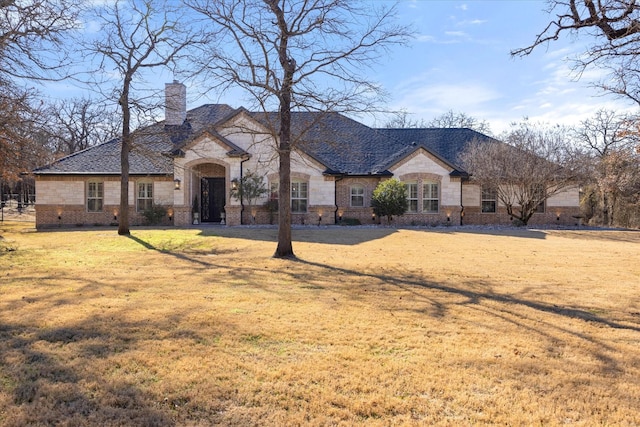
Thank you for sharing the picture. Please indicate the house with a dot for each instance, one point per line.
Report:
(337, 164)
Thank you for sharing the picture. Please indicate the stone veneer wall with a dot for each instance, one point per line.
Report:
(70, 208)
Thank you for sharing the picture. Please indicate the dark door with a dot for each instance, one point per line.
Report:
(213, 192)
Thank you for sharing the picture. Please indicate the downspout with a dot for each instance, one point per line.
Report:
(461, 205)
(240, 184)
(335, 197)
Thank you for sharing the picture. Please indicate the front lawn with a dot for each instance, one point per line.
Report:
(371, 326)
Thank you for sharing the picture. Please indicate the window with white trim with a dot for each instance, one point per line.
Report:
(412, 196)
(357, 196)
(299, 196)
(489, 200)
(144, 199)
(95, 196)
(430, 198)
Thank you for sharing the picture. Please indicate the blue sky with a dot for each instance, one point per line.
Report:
(460, 60)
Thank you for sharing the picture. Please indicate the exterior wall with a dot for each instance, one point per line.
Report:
(62, 200)
(562, 209)
(421, 167)
(347, 212)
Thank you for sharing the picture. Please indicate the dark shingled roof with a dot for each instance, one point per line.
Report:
(341, 144)
(444, 143)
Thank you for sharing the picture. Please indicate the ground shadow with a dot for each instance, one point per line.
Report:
(333, 235)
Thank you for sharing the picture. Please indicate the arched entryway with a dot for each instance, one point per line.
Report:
(209, 184)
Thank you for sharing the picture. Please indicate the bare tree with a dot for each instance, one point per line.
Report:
(610, 140)
(525, 171)
(402, 120)
(80, 123)
(21, 146)
(136, 36)
(31, 47)
(296, 55)
(615, 26)
(32, 36)
(452, 119)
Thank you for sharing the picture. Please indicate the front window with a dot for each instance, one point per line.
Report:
(412, 197)
(95, 195)
(430, 199)
(145, 196)
(489, 199)
(357, 196)
(299, 196)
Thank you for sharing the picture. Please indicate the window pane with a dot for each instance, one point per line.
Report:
(357, 196)
(94, 196)
(488, 206)
(430, 199)
(299, 193)
(412, 196)
(94, 205)
(145, 196)
(489, 198)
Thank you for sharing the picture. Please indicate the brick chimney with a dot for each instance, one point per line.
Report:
(175, 112)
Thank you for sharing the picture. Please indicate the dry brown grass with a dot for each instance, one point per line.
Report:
(370, 327)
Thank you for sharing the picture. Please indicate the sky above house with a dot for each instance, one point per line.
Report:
(460, 60)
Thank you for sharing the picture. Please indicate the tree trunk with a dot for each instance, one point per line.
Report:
(123, 225)
(285, 247)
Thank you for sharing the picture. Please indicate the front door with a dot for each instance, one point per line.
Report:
(213, 200)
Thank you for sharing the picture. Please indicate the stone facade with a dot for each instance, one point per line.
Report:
(203, 153)
(62, 201)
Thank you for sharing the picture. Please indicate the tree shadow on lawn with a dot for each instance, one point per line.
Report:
(510, 311)
(407, 282)
(48, 391)
(71, 374)
(324, 235)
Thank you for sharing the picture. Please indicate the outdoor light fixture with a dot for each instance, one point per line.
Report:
(115, 217)
(319, 218)
(234, 183)
(558, 217)
(339, 216)
(176, 183)
(373, 217)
